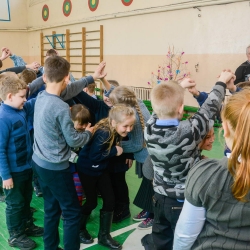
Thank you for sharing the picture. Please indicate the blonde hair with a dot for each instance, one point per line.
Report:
(237, 113)
(117, 113)
(9, 83)
(124, 95)
(166, 98)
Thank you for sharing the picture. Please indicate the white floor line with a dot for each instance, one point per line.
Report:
(113, 234)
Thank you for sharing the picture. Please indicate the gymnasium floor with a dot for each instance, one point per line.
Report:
(124, 232)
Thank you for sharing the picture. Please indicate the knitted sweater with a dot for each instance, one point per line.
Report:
(54, 132)
(15, 146)
(227, 223)
(173, 149)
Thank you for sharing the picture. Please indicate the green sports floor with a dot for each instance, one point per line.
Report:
(120, 231)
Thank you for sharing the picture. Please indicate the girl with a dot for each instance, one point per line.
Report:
(81, 118)
(119, 165)
(217, 191)
(136, 145)
(92, 169)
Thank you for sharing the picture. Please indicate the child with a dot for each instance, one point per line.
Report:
(216, 209)
(92, 169)
(118, 165)
(28, 75)
(137, 146)
(15, 161)
(172, 145)
(54, 135)
(90, 90)
(81, 118)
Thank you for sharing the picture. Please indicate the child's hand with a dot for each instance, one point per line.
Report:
(129, 162)
(225, 76)
(187, 83)
(8, 184)
(34, 66)
(7, 50)
(119, 150)
(89, 128)
(4, 55)
(194, 91)
(230, 84)
(99, 72)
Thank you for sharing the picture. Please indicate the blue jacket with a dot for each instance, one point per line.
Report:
(93, 158)
(98, 108)
(15, 146)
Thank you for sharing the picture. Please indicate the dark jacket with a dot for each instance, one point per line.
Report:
(94, 158)
(15, 146)
(241, 72)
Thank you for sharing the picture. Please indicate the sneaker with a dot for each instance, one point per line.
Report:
(22, 242)
(146, 224)
(34, 230)
(38, 192)
(141, 216)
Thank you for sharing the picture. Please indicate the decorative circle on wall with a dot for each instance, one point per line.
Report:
(93, 4)
(67, 7)
(127, 2)
(45, 12)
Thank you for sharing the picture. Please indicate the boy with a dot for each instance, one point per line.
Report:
(54, 135)
(90, 90)
(15, 161)
(172, 145)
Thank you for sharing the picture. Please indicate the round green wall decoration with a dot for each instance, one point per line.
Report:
(93, 4)
(67, 7)
(45, 12)
(127, 2)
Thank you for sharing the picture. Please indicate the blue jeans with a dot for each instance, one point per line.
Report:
(18, 201)
(166, 215)
(59, 198)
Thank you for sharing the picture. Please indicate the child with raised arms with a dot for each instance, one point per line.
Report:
(54, 135)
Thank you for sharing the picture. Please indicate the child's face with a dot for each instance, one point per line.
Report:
(107, 101)
(17, 100)
(207, 142)
(79, 127)
(122, 128)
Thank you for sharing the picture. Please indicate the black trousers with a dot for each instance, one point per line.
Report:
(120, 188)
(90, 184)
(59, 197)
(166, 215)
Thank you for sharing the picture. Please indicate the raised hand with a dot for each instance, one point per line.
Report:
(187, 83)
(99, 72)
(226, 75)
(5, 54)
(34, 66)
(194, 91)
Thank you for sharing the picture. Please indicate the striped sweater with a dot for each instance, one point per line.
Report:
(173, 149)
(227, 223)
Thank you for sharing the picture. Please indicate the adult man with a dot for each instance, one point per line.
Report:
(242, 73)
